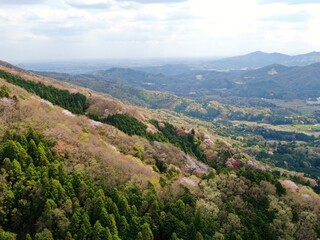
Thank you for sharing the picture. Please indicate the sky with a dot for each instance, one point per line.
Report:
(39, 30)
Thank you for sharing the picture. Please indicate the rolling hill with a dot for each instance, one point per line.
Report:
(280, 82)
(274, 82)
(77, 164)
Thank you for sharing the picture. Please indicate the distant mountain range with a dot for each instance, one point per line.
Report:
(260, 59)
(252, 60)
(175, 67)
(274, 81)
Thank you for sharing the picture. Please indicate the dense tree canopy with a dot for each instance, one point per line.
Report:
(41, 200)
(74, 102)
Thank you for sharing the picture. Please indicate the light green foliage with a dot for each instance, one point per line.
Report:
(28, 237)
(6, 235)
(146, 232)
(140, 237)
(4, 91)
(199, 236)
(44, 235)
(139, 150)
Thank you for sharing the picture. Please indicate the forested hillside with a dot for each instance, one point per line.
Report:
(106, 170)
(40, 199)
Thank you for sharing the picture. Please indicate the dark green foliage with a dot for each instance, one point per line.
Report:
(42, 200)
(295, 156)
(258, 219)
(127, 124)
(74, 102)
(131, 126)
(280, 190)
(256, 176)
(186, 142)
(161, 165)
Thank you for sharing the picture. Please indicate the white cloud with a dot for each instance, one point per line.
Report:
(20, 2)
(94, 4)
(157, 1)
(291, 2)
(123, 28)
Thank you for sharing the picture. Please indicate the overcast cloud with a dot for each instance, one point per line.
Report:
(289, 1)
(158, 1)
(21, 2)
(96, 29)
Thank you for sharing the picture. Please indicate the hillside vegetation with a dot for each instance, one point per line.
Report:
(210, 97)
(75, 102)
(106, 170)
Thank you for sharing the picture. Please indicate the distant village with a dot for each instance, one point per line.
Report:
(313, 102)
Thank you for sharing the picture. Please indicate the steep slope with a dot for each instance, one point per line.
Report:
(71, 177)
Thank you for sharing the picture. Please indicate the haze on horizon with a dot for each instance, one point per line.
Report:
(36, 30)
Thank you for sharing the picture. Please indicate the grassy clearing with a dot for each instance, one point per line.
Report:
(302, 127)
(296, 104)
(310, 129)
